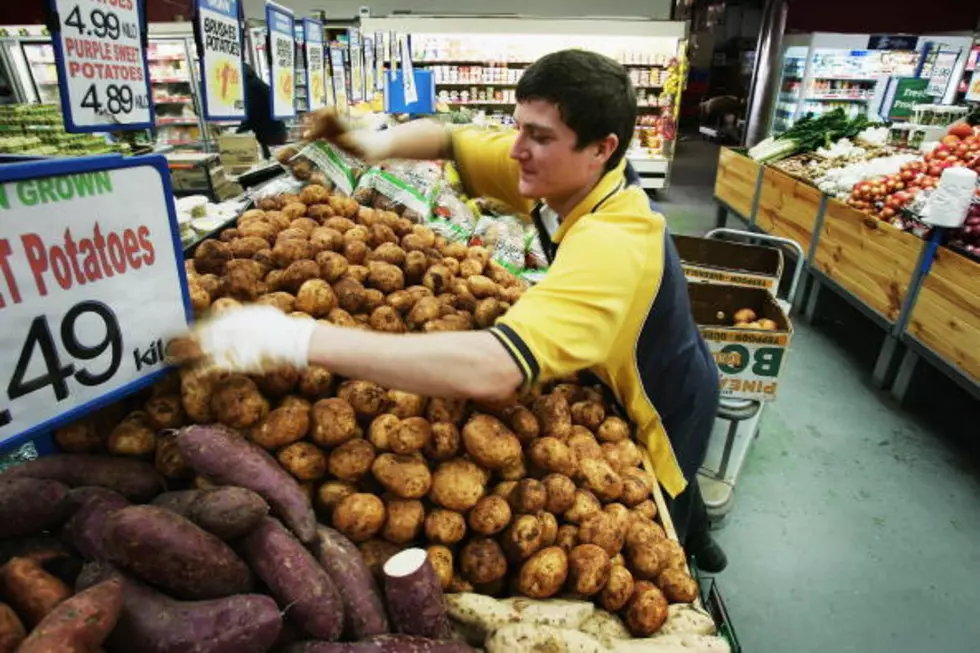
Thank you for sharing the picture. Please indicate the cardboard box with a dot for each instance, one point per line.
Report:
(750, 361)
(238, 150)
(717, 261)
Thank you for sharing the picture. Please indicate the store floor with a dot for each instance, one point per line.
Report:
(856, 525)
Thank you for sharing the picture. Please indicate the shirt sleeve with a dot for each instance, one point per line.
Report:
(571, 320)
(485, 165)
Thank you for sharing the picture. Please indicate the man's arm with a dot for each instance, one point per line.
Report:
(418, 139)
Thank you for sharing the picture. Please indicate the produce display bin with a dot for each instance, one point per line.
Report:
(717, 261)
(735, 185)
(946, 314)
(787, 207)
(750, 361)
(870, 259)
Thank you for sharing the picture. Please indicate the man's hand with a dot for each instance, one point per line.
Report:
(369, 146)
(254, 339)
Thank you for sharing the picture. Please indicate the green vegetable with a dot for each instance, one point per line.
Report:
(809, 134)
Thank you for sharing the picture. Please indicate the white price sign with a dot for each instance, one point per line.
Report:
(102, 72)
(220, 39)
(942, 72)
(282, 85)
(91, 286)
(356, 69)
(316, 88)
(408, 71)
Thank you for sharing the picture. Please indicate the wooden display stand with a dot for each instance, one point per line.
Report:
(787, 207)
(737, 182)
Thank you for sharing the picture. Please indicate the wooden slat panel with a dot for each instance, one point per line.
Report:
(946, 315)
(735, 182)
(787, 207)
(871, 259)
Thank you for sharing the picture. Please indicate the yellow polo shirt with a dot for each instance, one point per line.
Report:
(591, 307)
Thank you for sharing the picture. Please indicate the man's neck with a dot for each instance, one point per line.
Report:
(565, 205)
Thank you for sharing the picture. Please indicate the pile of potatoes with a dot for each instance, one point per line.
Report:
(540, 496)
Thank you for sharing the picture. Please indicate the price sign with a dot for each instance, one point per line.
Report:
(408, 71)
(339, 75)
(222, 78)
(315, 80)
(356, 69)
(368, 68)
(282, 84)
(942, 72)
(102, 74)
(91, 286)
(379, 61)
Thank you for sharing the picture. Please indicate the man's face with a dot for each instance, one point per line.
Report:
(551, 165)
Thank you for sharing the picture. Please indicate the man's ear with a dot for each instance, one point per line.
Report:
(605, 148)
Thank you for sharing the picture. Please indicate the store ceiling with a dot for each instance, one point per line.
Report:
(883, 16)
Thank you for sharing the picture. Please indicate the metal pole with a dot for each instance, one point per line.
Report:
(767, 54)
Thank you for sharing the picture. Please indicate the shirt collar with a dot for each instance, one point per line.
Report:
(610, 182)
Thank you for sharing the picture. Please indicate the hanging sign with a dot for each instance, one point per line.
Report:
(102, 73)
(973, 90)
(356, 69)
(393, 53)
(282, 85)
(92, 285)
(379, 61)
(942, 72)
(339, 75)
(369, 86)
(408, 72)
(220, 44)
(315, 79)
(892, 42)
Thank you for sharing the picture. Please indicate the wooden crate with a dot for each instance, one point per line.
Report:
(735, 181)
(871, 259)
(946, 315)
(787, 207)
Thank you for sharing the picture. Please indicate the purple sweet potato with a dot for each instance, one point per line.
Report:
(228, 459)
(167, 550)
(80, 624)
(153, 623)
(364, 611)
(228, 512)
(134, 479)
(414, 596)
(301, 586)
(85, 528)
(29, 506)
(384, 644)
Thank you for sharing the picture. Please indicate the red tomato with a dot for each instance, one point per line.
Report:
(935, 170)
(950, 140)
(960, 130)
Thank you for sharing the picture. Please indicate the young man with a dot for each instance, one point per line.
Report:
(614, 301)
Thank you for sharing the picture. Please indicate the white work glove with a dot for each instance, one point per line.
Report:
(370, 146)
(254, 339)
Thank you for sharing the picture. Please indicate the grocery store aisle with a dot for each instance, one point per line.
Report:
(855, 525)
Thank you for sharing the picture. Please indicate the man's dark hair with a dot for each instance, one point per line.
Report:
(594, 96)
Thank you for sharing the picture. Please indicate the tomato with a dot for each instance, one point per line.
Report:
(962, 150)
(960, 130)
(950, 140)
(935, 170)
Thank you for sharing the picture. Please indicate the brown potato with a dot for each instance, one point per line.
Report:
(355, 251)
(200, 298)
(425, 233)
(641, 533)
(646, 611)
(677, 585)
(524, 424)
(167, 459)
(315, 381)
(529, 497)
(134, 436)
(298, 273)
(671, 554)
(332, 265)
(416, 264)
(490, 443)
(404, 476)
(481, 287)
(333, 422)
(444, 443)
(387, 320)
(543, 574)
(618, 590)
(470, 267)
(340, 317)
(549, 528)
(314, 194)
(602, 530)
(316, 298)
(412, 435)
(613, 429)
(569, 389)
(504, 489)
(482, 561)
(405, 520)
(236, 402)
(636, 488)
(441, 558)
(212, 256)
(278, 382)
(452, 265)
(341, 224)
(487, 311)
(452, 411)
(552, 455)
(479, 253)
(555, 416)
(385, 277)
(389, 253)
(589, 414)
(585, 504)
(522, 538)
(368, 399)
(329, 494)
(325, 239)
(291, 234)
(304, 460)
(359, 516)
(163, 412)
(247, 247)
(405, 404)
(599, 477)
(567, 537)
(588, 569)
(305, 225)
(515, 471)
(424, 310)
(400, 300)
(352, 460)
(284, 301)
(457, 484)
(382, 428)
(621, 455)
(196, 388)
(646, 560)
(281, 427)
(490, 515)
(350, 295)
(438, 279)
(560, 492)
(294, 210)
(620, 516)
(444, 527)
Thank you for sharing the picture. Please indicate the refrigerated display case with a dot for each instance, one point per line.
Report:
(173, 88)
(27, 59)
(824, 71)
